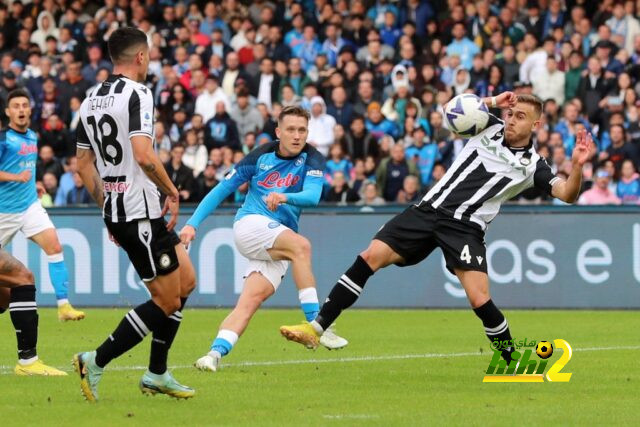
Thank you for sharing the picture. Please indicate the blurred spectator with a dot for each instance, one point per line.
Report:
(50, 182)
(424, 154)
(359, 142)
(221, 129)
(195, 155)
(205, 182)
(55, 135)
(96, 62)
(600, 193)
(266, 84)
(246, 117)
(181, 175)
(337, 162)
(66, 182)
(47, 163)
(308, 48)
(78, 195)
(207, 101)
(410, 191)
(549, 83)
(321, 126)
(340, 108)
(370, 196)
(620, 149)
(461, 46)
(46, 27)
(340, 191)
(628, 188)
(392, 171)
(377, 124)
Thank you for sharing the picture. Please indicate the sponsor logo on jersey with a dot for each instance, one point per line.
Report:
(316, 172)
(116, 187)
(265, 167)
(27, 149)
(486, 142)
(275, 180)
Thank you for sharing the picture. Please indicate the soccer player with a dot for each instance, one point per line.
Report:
(284, 176)
(20, 209)
(18, 294)
(494, 166)
(119, 167)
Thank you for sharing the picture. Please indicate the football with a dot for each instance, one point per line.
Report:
(466, 115)
(544, 349)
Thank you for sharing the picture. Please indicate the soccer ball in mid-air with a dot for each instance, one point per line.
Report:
(544, 349)
(467, 115)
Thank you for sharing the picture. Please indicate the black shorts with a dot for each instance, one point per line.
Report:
(150, 246)
(417, 231)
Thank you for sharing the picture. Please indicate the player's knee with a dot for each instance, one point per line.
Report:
(302, 249)
(23, 276)
(373, 259)
(478, 298)
(168, 303)
(56, 248)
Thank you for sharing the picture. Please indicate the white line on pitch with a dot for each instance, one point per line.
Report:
(9, 369)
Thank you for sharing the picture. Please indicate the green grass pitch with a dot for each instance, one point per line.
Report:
(413, 367)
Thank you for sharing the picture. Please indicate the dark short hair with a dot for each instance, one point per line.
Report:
(17, 93)
(531, 100)
(293, 110)
(123, 39)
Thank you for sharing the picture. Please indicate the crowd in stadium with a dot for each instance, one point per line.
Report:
(374, 75)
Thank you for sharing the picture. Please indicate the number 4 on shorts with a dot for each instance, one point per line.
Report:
(465, 255)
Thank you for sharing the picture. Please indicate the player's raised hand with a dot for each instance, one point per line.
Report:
(274, 200)
(171, 205)
(582, 150)
(506, 100)
(24, 176)
(187, 234)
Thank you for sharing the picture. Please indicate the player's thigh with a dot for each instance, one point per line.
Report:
(410, 237)
(476, 286)
(5, 297)
(272, 271)
(187, 272)
(255, 235)
(37, 226)
(289, 245)
(10, 224)
(463, 245)
(13, 272)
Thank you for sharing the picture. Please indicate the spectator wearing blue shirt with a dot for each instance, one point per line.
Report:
(425, 155)
(419, 12)
(332, 44)
(308, 49)
(377, 125)
(340, 108)
(377, 12)
(212, 22)
(553, 18)
(337, 162)
(294, 36)
(461, 46)
(628, 188)
(390, 33)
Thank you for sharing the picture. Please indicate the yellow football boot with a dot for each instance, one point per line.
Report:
(302, 333)
(38, 368)
(67, 312)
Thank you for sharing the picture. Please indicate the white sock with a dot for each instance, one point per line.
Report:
(317, 327)
(62, 302)
(28, 361)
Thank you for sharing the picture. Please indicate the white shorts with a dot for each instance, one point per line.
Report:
(31, 222)
(253, 235)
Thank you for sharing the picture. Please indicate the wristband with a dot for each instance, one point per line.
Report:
(493, 102)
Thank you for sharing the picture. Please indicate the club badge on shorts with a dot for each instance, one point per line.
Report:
(165, 261)
(525, 161)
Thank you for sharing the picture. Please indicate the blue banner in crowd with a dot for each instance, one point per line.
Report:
(537, 258)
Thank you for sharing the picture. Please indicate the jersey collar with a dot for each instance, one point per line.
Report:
(9, 128)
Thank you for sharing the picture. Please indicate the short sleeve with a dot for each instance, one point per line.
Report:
(316, 162)
(82, 139)
(141, 112)
(543, 178)
(3, 143)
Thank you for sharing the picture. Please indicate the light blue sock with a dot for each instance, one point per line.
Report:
(224, 342)
(59, 276)
(309, 303)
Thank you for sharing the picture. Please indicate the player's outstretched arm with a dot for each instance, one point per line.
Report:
(568, 190)
(89, 174)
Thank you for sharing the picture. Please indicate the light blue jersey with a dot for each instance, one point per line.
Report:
(18, 152)
(300, 177)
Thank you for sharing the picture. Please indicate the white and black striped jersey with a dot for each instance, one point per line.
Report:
(487, 173)
(114, 112)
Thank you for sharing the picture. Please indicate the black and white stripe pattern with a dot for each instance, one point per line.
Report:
(22, 306)
(485, 174)
(116, 111)
(177, 316)
(349, 284)
(137, 324)
(498, 329)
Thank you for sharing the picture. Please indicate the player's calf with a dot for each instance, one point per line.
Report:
(495, 325)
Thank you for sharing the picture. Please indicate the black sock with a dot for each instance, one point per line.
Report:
(132, 329)
(162, 340)
(24, 316)
(495, 326)
(345, 292)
